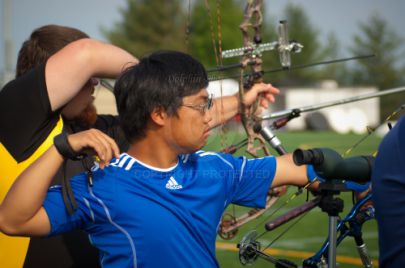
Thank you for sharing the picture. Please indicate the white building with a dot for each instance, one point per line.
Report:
(350, 117)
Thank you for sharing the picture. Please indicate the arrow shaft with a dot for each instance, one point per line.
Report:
(315, 107)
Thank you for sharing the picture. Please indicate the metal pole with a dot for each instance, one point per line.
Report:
(7, 40)
(332, 242)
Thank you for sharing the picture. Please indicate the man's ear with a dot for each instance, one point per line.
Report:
(159, 116)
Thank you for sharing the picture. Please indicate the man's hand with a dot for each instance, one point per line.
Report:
(21, 212)
(266, 93)
(227, 107)
(98, 142)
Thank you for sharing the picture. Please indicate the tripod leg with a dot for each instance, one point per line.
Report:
(332, 241)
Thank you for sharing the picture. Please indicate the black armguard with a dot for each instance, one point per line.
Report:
(62, 145)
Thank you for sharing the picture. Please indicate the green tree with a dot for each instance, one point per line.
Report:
(204, 29)
(385, 70)
(230, 15)
(149, 25)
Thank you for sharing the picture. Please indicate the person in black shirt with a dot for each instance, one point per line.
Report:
(55, 78)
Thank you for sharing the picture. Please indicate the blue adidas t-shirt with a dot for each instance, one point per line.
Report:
(141, 216)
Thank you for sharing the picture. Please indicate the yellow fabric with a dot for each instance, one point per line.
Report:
(14, 249)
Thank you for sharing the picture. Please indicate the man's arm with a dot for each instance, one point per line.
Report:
(21, 212)
(70, 68)
(288, 173)
(227, 107)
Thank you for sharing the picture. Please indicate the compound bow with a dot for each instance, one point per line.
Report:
(251, 56)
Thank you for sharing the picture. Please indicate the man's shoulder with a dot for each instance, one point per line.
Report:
(201, 156)
(27, 82)
(26, 117)
(209, 158)
(118, 167)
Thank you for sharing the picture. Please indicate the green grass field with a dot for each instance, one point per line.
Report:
(307, 236)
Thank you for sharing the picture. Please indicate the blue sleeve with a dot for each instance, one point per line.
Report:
(252, 181)
(59, 218)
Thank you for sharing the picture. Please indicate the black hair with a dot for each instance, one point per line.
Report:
(161, 79)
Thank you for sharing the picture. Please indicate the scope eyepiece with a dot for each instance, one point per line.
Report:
(305, 157)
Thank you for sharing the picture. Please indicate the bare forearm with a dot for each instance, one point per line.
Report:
(68, 70)
(288, 173)
(21, 212)
(27, 194)
(227, 107)
(107, 60)
(224, 109)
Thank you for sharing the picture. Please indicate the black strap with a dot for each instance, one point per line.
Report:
(62, 145)
(68, 197)
(87, 165)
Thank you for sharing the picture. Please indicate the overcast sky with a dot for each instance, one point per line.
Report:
(339, 16)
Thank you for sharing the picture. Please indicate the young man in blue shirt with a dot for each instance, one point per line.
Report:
(163, 193)
(73, 248)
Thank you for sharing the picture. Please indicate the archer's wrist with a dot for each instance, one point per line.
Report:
(63, 147)
(311, 174)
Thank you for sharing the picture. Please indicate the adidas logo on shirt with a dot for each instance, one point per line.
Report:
(172, 184)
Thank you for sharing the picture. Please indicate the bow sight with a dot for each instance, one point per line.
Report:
(284, 46)
(253, 51)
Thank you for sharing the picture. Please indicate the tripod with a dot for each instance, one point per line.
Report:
(333, 206)
(350, 225)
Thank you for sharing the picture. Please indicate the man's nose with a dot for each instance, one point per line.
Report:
(207, 116)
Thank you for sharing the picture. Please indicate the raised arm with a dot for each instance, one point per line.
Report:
(288, 173)
(70, 68)
(21, 212)
(227, 107)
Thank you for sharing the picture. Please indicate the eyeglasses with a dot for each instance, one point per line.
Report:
(202, 108)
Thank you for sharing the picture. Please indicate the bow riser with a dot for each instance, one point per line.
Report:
(251, 57)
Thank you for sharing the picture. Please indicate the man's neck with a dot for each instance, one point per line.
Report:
(153, 152)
